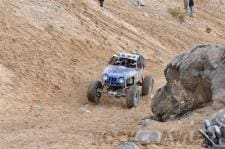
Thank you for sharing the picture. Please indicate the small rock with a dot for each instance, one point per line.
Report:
(192, 122)
(145, 14)
(128, 145)
(39, 108)
(146, 122)
(84, 110)
(147, 137)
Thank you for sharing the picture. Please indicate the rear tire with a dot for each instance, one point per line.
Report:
(147, 86)
(92, 94)
(133, 97)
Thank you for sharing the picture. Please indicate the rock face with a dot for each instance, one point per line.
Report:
(193, 79)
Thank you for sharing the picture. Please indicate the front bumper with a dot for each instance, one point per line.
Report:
(116, 93)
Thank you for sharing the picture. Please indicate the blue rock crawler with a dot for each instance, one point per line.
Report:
(123, 77)
(213, 131)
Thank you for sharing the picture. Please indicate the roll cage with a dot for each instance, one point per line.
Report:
(128, 60)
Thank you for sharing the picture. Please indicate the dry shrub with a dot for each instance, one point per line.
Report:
(208, 30)
(178, 13)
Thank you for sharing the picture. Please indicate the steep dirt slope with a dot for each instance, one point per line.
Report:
(50, 51)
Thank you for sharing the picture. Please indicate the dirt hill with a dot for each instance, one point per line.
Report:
(51, 49)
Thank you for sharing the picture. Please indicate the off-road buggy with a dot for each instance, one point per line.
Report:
(214, 131)
(122, 78)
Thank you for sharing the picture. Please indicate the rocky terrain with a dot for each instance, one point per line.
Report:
(51, 49)
(193, 79)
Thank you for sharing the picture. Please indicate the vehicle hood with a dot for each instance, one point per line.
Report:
(119, 71)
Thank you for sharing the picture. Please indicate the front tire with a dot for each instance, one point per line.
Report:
(133, 97)
(93, 94)
(147, 86)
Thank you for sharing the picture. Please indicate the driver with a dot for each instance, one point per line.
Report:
(119, 61)
(131, 63)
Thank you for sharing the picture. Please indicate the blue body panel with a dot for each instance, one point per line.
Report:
(113, 81)
(115, 72)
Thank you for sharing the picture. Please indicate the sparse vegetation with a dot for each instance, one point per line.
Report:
(208, 30)
(178, 13)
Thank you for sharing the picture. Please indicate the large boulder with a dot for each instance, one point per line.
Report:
(193, 79)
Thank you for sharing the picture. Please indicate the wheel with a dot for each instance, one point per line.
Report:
(214, 133)
(218, 133)
(206, 124)
(147, 85)
(93, 94)
(133, 97)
